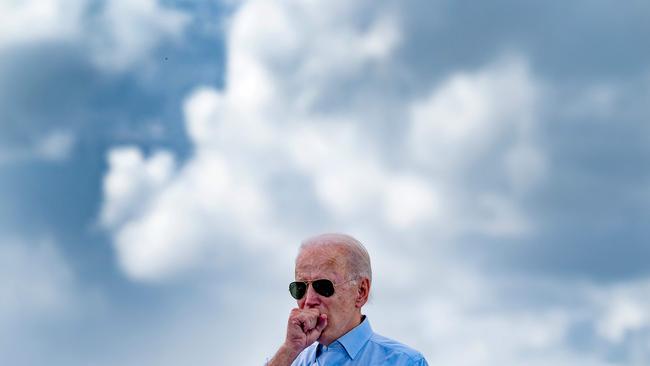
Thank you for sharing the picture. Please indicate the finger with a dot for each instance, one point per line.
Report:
(313, 312)
(311, 323)
(315, 333)
(294, 316)
(310, 318)
(322, 323)
(306, 322)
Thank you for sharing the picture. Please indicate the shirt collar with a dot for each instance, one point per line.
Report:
(355, 339)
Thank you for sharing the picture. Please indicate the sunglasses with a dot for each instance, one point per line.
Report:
(323, 287)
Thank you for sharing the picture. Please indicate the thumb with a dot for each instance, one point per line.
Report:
(322, 323)
(313, 334)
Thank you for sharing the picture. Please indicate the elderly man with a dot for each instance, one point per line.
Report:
(327, 328)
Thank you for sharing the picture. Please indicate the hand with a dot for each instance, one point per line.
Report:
(304, 328)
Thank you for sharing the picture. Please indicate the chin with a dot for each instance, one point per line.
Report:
(323, 337)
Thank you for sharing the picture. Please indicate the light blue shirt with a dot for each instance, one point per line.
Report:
(360, 346)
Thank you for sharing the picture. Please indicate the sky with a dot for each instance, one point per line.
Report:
(161, 161)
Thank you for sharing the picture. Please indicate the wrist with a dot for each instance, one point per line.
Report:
(290, 350)
(285, 356)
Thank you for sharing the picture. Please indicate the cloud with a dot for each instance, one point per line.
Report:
(36, 281)
(309, 134)
(622, 317)
(468, 316)
(39, 20)
(440, 134)
(116, 34)
(623, 313)
(53, 147)
(241, 144)
(482, 122)
(268, 123)
(129, 31)
(133, 179)
(44, 304)
(64, 66)
(155, 208)
(461, 119)
(56, 146)
(39, 293)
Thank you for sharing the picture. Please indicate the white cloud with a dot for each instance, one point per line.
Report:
(56, 146)
(472, 112)
(380, 40)
(462, 316)
(351, 181)
(37, 290)
(132, 180)
(312, 45)
(39, 20)
(181, 226)
(35, 282)
(122, 34)
(53, 147)
(264, 125)
(525, 166)
(408, 200)
(272, 121)
(482, 120)
(623, 312)
(464, 336)
(246, 136)
(130, 30)
(623, 316)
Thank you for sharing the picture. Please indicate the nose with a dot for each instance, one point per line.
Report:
(311, 298)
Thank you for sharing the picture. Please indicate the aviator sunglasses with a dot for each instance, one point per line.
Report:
(323, 287)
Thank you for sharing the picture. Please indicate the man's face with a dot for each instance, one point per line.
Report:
(325, 262)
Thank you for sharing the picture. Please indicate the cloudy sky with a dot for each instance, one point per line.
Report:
(160, 161)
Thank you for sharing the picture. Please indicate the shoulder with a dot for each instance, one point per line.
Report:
(398, 352)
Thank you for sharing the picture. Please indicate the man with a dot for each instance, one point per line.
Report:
(333, 278)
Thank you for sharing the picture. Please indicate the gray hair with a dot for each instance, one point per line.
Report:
(357, 258)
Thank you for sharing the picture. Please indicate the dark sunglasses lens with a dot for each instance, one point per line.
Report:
(297, 289)
(324, 287)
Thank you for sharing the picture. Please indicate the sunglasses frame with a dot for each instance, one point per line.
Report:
(307, 283)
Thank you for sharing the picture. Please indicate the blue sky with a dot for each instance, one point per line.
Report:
(160, 162)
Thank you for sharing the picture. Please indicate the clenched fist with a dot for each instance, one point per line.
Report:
(304, 328)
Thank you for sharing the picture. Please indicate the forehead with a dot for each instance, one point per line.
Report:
(315, 262)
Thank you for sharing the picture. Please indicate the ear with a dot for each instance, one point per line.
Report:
(363, 291)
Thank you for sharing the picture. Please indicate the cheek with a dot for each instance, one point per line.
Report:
(351, 300)
(334, 302)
